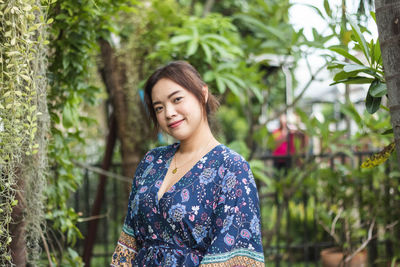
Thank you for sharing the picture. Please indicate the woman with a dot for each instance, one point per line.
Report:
(284, 145)
(193, 203)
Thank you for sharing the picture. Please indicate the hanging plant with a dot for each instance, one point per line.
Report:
(23, 121)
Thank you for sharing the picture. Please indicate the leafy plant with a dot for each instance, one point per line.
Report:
(24, 120)
(76, 28)
(211, 44)
(370, 71)
(357, 72)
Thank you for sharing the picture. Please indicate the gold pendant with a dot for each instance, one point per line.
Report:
(174, 170)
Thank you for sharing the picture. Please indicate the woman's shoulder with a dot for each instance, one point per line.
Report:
(232, 159)
(235, 165)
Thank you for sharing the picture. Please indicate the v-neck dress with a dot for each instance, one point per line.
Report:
(210, 217)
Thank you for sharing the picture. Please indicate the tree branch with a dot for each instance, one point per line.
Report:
(364, 244)
(280, 112)
(332, 232)
(46, 248)
(103, 172)
(370, 237)
(192, 5)
(207, 7)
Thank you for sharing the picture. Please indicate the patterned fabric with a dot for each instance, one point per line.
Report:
(239, 257)
(125, 251)
(210, 217)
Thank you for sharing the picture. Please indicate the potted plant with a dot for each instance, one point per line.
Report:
(349, 238)
(350, 203)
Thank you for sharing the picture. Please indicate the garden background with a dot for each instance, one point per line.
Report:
(72, 126)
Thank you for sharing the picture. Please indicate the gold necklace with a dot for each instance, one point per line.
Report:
(176, 168)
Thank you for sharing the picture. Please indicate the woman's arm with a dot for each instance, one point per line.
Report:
(236, 232)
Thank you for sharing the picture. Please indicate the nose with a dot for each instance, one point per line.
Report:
(170, 111)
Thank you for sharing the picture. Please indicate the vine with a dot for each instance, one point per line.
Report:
(73, 46)
(23, 111)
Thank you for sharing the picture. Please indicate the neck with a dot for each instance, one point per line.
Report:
(202, 137)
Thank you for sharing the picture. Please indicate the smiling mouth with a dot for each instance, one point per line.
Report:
(175, 124)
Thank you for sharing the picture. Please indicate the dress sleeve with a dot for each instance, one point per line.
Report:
(126, 248)
(236, 231)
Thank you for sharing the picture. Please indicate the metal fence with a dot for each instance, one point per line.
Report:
(291, 240)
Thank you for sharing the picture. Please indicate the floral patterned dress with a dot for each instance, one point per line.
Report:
(210, 217)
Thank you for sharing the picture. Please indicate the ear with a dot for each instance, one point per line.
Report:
(204, 90)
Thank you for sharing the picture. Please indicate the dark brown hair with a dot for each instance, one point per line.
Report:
(184, 74)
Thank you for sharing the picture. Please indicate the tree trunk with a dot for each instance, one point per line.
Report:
(114, 79)
(121, 74)
(17, 227)
(127, 123)
(388, 20)
(93, 224)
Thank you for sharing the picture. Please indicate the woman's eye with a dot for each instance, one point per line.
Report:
(178, 99)
(157, 109)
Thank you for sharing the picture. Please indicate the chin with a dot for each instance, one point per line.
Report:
(180, 136)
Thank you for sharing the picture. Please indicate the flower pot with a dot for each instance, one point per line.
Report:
(333, 257)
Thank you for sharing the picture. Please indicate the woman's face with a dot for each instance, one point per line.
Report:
(179, 113)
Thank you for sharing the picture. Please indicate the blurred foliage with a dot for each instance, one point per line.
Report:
(223, 45)
(76, 28)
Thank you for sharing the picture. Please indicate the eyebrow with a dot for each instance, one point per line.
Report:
(169, 96)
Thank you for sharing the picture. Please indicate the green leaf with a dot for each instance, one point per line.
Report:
(192, 48)
(390, 131)
(276, 32)
(354, 67)
(237, 80)
(337, 63)
(216, 37)
(355, 80)
(232, 86)
(271, 44)
(373, 15)
(68, 116)
(195, 32)
(372, 103)
(62, 16)
(180, 39)
(262, 27)
(208, 76)
(350, 111)
(258, 168)
(207, 51)
(372, 49)
(257, 93)
(220, 84)
(315, 34)
(327, 8)
(359, 37)
(14, 202)
(346, 54)
(25, 77)
(377, 88)
(221, 51)
(342, 75)
(377, 53)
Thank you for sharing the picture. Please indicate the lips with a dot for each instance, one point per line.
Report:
(175, 124)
